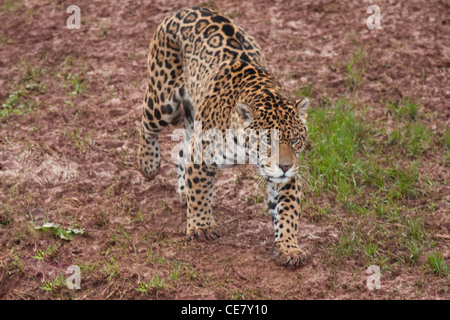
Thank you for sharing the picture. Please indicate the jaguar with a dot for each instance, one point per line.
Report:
(205, 69)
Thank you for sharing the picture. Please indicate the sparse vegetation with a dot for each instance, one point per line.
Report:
(374, 182)
(438, 265)
(355, 69)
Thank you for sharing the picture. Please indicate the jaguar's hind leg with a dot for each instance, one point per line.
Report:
(155, 117)
(162, 103)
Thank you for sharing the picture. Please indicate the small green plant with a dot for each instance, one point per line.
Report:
(111, 269)
(139, 217)
(58, 282)
(48, 286)
(155, 283)
(39, 255)
(406, 109)
(174, 275)
(18, 264)
(415, 251)
(403, 181)
(76, 83)
(348, 244)
(14, 104)
(355, 69)
(59, 231)
(50, 251)
(438, 265)
(371, 249)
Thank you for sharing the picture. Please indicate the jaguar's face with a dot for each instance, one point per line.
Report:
(280, 135)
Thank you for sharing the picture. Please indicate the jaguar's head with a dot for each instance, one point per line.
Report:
(277, 131)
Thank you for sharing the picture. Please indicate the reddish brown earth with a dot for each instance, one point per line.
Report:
(72, 159)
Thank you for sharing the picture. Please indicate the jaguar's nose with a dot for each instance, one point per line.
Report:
(285, 166)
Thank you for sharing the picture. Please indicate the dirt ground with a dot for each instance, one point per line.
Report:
(70, 157)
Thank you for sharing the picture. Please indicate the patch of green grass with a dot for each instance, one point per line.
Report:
(15, 104)
(372, 250)
(438, 265)
(58, 282)
(344, 159)
(39, 255)
(351, 165)
(17, 263)
(50, 251)
(32, 73)
(317, 213)
(356, 208)
(19, 101)
(76, 83)
(155, 283)
(111, 270)
(336, 134)
(175, 275)
(415, 250)
(406, 109)
(355, 69)
(403, 181)
(412, 139)
(349, 243)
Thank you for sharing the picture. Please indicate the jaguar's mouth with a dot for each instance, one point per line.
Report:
(277, 175)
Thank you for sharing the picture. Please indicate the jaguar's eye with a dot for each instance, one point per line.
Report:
(295, 141)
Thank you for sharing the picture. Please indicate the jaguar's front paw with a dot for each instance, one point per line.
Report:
(149, 171)
(203, 233)
(292, 257)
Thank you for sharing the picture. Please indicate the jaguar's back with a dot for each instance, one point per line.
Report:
(198, 40)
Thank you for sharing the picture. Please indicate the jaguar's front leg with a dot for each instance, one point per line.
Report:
(284, 208)
(199, 187)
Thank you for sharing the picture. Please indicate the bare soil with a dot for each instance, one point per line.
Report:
(71, 158)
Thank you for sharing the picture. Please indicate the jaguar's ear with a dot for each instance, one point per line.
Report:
(302, 106)
(245, 112)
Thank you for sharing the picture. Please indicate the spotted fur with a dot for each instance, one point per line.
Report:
(203, 67)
